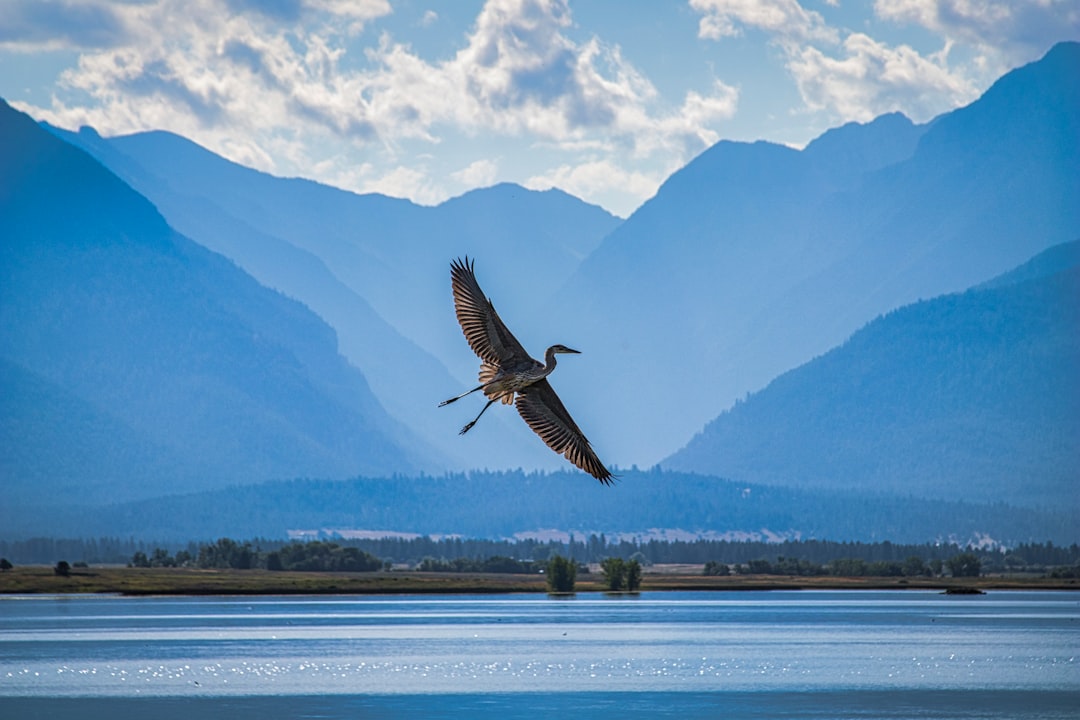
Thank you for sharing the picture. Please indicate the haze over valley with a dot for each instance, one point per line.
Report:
(887, 319)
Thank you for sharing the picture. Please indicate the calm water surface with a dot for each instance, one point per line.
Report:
(799, 654)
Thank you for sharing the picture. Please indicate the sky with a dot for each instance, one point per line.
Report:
(427, 99)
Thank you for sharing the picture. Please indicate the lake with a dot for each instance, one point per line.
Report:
(779, 654)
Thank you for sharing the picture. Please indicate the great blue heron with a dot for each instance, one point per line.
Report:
(507, 370)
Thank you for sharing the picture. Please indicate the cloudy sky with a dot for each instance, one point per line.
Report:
(426, 99)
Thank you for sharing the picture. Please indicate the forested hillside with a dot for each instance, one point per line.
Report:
(967, 396)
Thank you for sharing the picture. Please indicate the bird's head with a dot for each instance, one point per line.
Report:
(564, 349)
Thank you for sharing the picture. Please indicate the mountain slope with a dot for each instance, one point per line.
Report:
(105, 309)
(967, 396)
(58, 448)
(754, 258)
(377, 245)
(346, 255)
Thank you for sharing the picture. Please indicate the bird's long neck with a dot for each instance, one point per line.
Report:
(549, 360)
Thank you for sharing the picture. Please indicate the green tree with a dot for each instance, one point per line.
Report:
(273, 562)
(63, 569)
(848, 567)
(716, 568)
(140, 560)
(161, 558)
(502, 564)
(759, 567)
(885, 568)
(614, 573)
(226, 553)
(964, 565)
(352, 559)
(5, 564)
(561, 574)
(633, 575)
(915, 567)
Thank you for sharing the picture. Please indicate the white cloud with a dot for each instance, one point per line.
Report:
(520, 74)
(1018, 29)
(781, 18)
(412, 182)
(871, 78)
(208, 66)
(479, 173)
(267, 84)
(219, 64)
(700, 112)
(617, 188)
(33, 25)
(845, 74)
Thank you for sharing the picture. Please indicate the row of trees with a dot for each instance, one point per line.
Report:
(799, 557)
(965, 564)
(591, 548)
(619, 575)
(494, 564)
(316, 556)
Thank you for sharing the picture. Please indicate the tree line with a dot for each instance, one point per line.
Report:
(493, 564)
(225, 553)
(965, 564)
(791, 557)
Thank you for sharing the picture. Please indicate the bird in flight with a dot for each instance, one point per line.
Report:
(509, 375)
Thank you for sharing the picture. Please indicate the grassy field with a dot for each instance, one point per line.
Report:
(190, 581)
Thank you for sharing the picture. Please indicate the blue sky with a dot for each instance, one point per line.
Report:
(426, 99)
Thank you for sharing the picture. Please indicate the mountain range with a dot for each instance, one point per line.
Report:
(751, 260)
(966, 396)
(375, 268)
(755, 258)
(889, 310)
(137, 361)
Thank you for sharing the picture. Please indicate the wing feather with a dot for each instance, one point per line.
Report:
(542, 410)
(486, 333)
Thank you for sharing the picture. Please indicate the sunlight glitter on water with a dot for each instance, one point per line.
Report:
(758, 642)
(509, 675)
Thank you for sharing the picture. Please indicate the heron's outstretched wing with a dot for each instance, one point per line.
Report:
(542, 410)
(488, 337)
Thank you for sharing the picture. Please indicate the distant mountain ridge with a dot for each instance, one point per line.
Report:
(170, 367)
(128, 351)
(749, 261)
(376, 268)
(755, 258)
(966, 396)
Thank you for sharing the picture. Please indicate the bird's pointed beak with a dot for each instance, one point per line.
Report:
(569, 350)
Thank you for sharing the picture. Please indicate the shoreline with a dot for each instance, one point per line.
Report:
(133, 582)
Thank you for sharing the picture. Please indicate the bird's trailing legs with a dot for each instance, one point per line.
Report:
(469, 425)
(470, 392)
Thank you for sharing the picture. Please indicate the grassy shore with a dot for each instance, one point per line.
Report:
(190, 581)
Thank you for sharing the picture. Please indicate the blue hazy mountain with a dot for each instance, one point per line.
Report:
(974, 396)
(374, 267)
(748, 262)
(755, 258)
(136, 362)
